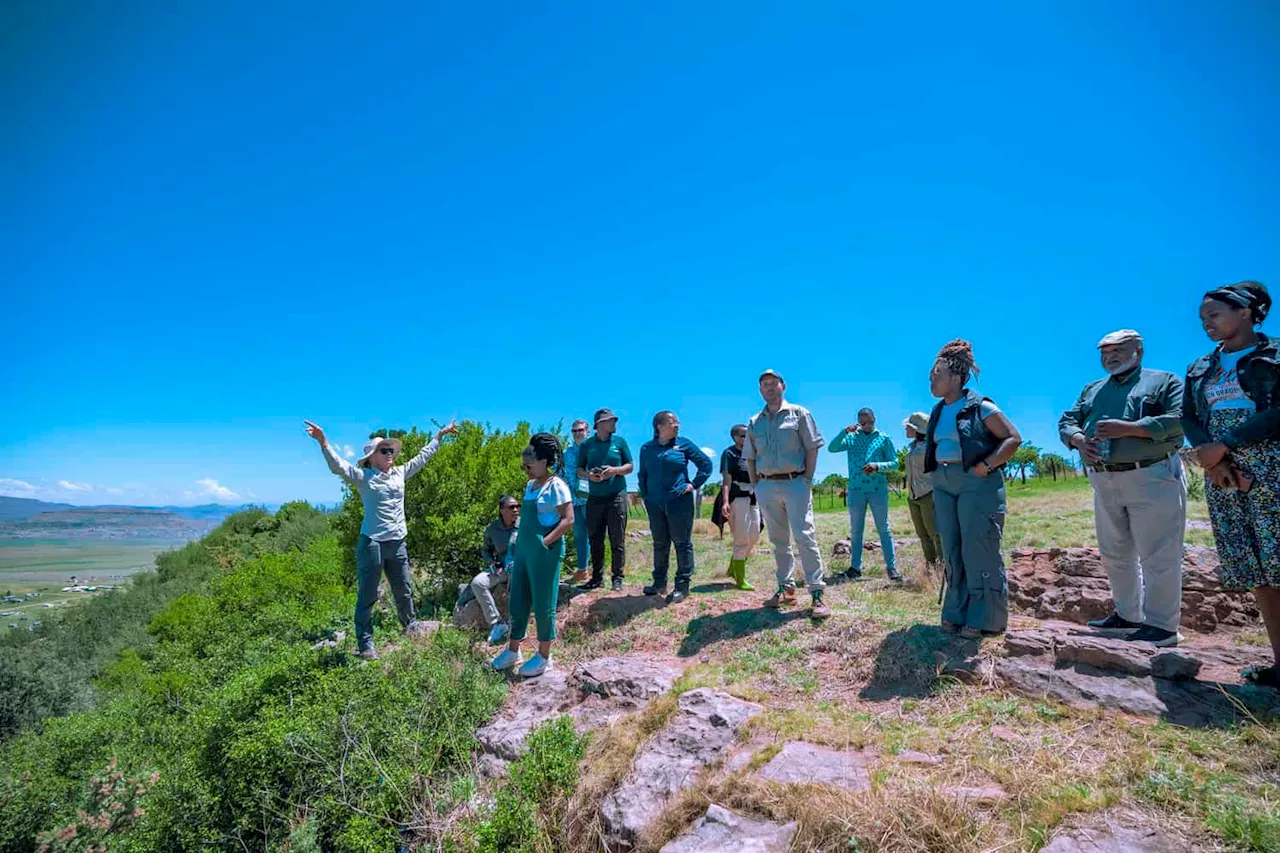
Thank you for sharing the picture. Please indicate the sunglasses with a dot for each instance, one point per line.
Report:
(579, 429)
(387, 451)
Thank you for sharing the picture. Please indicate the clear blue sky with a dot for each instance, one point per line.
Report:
(220, 218)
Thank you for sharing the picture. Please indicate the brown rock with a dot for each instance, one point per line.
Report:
(843, 548)
(981, 796)
(721, 829)
(1175, 665)
(1102, 653)
(910, 756)
(1032, 642)
(1115, 839)
(1071, 584)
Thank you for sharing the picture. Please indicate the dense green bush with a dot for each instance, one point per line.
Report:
(254, 736)
(448, 505)
(50, 671)
(528, 808)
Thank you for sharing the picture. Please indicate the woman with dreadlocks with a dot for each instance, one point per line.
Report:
(546, 515)
(1231, 416)
(967, 442)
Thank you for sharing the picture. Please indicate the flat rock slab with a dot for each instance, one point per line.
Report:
(698, 734)
(986, 795)
(1115, 839)
(627, 677)
(911, 756)
(801, 763)
(720, 830)
(531, 703)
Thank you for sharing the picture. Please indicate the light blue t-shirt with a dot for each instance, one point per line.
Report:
(551, 494)
(946, 436)
(1222, 389)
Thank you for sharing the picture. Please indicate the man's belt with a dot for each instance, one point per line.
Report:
(1129, 466)
(789, 476)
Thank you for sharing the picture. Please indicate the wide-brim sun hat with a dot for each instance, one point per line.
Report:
(372, 445)
(918, 421)
(603, 415)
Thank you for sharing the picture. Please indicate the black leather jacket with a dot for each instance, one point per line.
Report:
(1259, 373)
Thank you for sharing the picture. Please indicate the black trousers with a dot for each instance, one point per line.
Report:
(607, 514)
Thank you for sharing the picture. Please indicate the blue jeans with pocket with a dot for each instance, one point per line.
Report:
(878, 501)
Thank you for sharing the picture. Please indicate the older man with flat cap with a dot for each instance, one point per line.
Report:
(1128, 432)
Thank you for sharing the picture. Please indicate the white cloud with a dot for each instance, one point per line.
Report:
(15, 488)
(75, 487)
(348, 451)
(112, 490)
(212, 488)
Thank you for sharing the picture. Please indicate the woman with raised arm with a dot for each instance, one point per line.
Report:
(1231, 416)
(546, 515)
(381, 547)
(967, 442)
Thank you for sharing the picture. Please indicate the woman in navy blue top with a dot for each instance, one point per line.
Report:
(668, 493)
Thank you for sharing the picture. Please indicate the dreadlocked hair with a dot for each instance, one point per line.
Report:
(546, 448)
(958, 356)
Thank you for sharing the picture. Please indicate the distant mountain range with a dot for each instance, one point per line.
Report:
(26, 518)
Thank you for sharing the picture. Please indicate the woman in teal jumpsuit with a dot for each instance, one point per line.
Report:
(546, 515)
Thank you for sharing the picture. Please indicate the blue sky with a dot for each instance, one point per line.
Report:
(219, 219)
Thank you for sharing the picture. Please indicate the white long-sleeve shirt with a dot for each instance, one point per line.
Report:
(381, 494)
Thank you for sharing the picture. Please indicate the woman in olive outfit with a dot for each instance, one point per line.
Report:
(967, 442)
(1231, 415)
(546, 515)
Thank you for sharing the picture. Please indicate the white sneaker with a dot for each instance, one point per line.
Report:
(506, 660)
(534, 666)
(499, 633)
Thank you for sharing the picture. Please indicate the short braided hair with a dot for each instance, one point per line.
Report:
(958, 356)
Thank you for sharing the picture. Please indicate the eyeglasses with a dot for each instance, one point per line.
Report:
(579, 429)
(387, 451)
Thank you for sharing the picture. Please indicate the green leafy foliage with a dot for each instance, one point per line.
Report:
(448, 504)
(50, 671)
(528, 809)
(254, 731)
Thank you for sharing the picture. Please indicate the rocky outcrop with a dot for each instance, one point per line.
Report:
(720, 830)
(1071, 584)
(1194, 684)
(800, 763)
(468, 616)
(697, 736)
(594, 694)
(1115, 839)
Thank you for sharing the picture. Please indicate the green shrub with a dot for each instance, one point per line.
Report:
(448, 505)
(528, 809)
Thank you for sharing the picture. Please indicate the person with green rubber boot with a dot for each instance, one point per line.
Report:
(738, 499)
(546, 516)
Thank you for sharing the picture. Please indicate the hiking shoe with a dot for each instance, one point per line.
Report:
(617, 584)
(1158, 637)
(678, 596)
(534, 667)
(1113, 622)
(784, 595)
(970, 633)
(819, 610)
(894, 576)
(498, 633)
(950, 627)
(853, 575)
(655, 589)
(590, 586)
(369, 654)
(506, 660)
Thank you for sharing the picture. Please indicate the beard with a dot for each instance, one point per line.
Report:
(1124, 366)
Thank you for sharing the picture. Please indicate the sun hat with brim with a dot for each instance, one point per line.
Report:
(918, 421)
(604, 415)
(371, 446)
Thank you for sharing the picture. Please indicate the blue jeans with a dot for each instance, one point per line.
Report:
(372, 559)
(581, 542)
(672, 523)
(879, 503)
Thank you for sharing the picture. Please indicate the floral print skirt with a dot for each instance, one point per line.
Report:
(1246, 525)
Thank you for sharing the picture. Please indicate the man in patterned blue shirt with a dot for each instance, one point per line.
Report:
(870, 454)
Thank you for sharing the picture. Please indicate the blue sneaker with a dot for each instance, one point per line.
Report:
(498, 633)
(506, 660)
(534, 666)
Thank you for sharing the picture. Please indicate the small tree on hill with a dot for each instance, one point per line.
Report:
(1054, 465)
(1024, 457)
